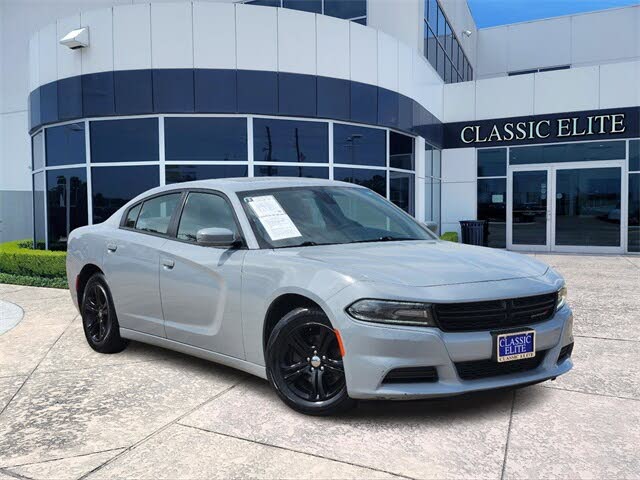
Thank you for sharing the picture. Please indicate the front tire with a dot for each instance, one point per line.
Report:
(304, 364)
(99, 320)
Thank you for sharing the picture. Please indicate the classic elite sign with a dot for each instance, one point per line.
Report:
(574, 126)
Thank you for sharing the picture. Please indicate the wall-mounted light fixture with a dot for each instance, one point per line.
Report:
(75, 39)
(466, 33)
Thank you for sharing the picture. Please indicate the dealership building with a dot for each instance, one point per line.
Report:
(533, 127)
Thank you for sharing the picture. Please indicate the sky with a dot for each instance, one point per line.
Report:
(489, 13)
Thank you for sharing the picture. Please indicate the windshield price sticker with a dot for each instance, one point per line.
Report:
(273, 218)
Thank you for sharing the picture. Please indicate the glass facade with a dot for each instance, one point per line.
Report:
(442, 47)
(568, 152)
(66, 204)
(633, 216)
(492, 194)
(126, 158)
(355, 10)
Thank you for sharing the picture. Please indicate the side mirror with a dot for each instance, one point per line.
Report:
(432, 227)
(216, 237)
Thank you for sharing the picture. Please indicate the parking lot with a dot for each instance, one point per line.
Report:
(68, 412)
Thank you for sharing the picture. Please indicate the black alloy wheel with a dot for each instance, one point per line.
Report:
(305, 365)
(99, 318)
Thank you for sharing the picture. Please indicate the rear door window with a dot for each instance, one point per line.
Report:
(155, 215)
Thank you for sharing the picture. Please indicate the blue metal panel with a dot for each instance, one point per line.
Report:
(97, 94)
(388, 107)
(216, 91)
(70, 94)
(133, 92)
(297, 94)
(257, 92)
(173, 90)
(49, 103)
(334, 98)
(364, 103)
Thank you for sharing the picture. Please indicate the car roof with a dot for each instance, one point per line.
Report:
(241, 184)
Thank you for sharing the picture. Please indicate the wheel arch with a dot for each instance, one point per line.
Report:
(83, 277)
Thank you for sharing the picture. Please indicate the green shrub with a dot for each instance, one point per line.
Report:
(58, 282)
(20, 258)
(450, 236)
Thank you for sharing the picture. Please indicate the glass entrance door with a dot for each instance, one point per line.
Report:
(530, 210)
(588, 209)
(566, 208)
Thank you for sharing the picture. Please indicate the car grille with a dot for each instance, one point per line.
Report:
(496, 314)
(479, 369)
(565, 352)
(412, 375)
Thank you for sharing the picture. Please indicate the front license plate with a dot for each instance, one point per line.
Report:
(516, 346)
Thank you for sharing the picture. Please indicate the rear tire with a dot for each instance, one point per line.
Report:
(99, 320)
(304, 364)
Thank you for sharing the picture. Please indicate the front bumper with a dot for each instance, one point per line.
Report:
(373, 350)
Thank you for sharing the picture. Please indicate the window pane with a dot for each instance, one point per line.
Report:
(156, 213)
(66, 204)
(401, 190)
(112, 187)
(290, 141)
(37, 151)
(428, 199)
(65, 144)
(634, 212)
(440, 62)
(280, 171)
(361, 21)
(634, 155)
(401, 151)
(437, 163)
(345, 8)
(436, 202)
(189, 173)
(431, 48)
(432, 12)
(492, 162)
(447, 71)
(448, 37)
(204, 210)
(492, 207)
(441, 25)
(428, 160)
(376, 180)
(216, 139)
(134, 140)
(573, 152)
(314, 6)
(359, 145)
(132, 216)
(38, 211)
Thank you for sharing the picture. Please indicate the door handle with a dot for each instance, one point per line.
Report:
(112, 247)
(168, 264)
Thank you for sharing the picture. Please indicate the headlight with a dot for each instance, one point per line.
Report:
(388, 311)
(562, 298)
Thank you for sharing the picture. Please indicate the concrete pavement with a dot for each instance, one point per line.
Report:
(67, 412)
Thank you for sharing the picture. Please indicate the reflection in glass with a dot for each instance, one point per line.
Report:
(290, 171)
(204, 210)
(112, 187)
(634, 212)
(190, 173)
(37, 150)
(65, 144)
(568, 152)
(492, 162)
(402, 190)
(376, 180)
(290, 141)
(401, 151)
(529, 209)
(314, 6)
(359, 145)
(131, 140)
(66, 204)
(588, 207)
(215, 139)
(156, 213)
(492, 207)
(38, 211)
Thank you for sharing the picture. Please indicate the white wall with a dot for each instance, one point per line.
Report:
(583, 88)
(459, 188)
(578, 40)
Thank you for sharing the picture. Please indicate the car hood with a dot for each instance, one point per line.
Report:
(422, 263)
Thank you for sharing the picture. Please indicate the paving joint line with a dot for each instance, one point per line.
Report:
(60, 458)
(506, 445)
(35, 368)
(161, 429)
(590, 393)
(9, 473)
(607, 338)
(399, 475)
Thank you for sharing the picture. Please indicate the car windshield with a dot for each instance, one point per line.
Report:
(308, 216)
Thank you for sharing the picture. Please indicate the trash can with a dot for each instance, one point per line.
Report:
(474, 232)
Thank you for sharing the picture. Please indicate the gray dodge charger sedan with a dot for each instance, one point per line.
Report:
(324, 288)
